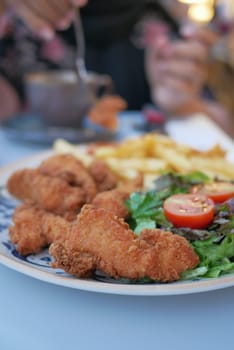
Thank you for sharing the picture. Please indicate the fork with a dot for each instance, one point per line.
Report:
(94, 82)
(80, 46)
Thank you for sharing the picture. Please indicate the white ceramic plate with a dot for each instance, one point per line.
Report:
(38, 266)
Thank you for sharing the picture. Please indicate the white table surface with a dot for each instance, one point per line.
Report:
(37, 315)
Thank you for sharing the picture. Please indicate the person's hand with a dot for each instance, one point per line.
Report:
(9, 100)
(177, 69)
(44, 16)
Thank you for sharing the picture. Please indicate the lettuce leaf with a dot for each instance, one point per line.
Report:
(216, 254)
(174, 183)
(146, 211)
(214, 245)
(146, 208)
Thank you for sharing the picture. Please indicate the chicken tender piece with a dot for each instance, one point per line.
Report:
(99, 240)
(174, 255)
(72, 170)
(114, 201)
(33, 229)
(52, 194)
(103, 176)
(133, 185)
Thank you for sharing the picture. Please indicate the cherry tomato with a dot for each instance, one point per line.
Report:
(189, 210)
(218, 191)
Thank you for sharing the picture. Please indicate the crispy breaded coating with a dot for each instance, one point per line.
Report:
(72, 170)
(99, 240)
(173, 253)
(114, 201)
(34, 228)
(103, 176)
(133, 185)
(50, 193)
(113, 194)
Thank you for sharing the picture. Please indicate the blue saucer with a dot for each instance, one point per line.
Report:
(31, 128)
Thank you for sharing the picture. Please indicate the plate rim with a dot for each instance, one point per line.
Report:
(161, 289)
(175, 288)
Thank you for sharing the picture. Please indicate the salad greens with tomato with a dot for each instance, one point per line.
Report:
(193, 206)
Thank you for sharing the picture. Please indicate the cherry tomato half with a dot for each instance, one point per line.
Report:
(218, 191)
(189, 210)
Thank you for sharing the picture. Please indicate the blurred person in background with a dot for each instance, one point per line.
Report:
(137, 42)
(221, 68)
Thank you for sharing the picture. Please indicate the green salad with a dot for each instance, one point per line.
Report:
(213, 243)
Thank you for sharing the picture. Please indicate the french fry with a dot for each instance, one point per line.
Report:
(218, 166)
(151, 154)
(63, 147)
(176, 161)
(130, 148)
(125, 166)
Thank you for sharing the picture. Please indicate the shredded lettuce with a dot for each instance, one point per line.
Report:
(175, 183)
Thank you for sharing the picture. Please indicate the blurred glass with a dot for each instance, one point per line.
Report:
(60, 99)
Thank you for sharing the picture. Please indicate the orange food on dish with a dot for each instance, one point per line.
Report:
(105, 111)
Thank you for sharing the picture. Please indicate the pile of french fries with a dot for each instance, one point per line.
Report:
(152, 154)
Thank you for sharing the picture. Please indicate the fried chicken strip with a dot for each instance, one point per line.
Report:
(114, 201)
(72, 170)
(98, 240)
(50, 193)
(34, 228)
(103, 176)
